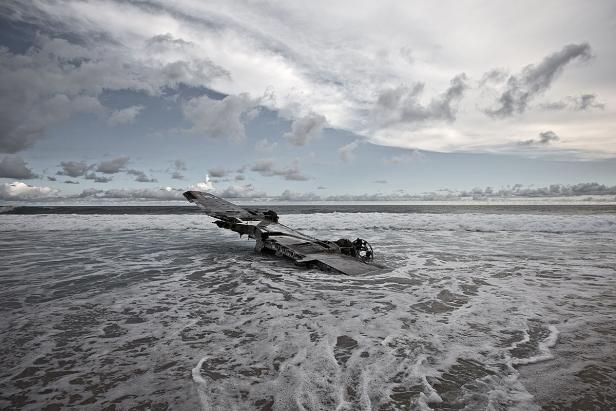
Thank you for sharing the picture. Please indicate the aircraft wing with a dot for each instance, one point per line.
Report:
(339, 262)
(218, 208)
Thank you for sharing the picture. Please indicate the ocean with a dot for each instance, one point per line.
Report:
(147, 307)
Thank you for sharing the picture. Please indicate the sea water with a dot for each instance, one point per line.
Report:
(480, 308)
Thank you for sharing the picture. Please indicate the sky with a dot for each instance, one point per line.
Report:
(306, 100)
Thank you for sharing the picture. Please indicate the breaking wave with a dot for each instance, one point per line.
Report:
(379, 222)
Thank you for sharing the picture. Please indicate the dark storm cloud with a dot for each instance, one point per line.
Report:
(304, 129)
(96, 178)
(113, 166)
(401, 105)
(15, 167)
(73, 168)
(140, 176)
(267, 168)
(575, 103)
(545, 137)
(535, 79)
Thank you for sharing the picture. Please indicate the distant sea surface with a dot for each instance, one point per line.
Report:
(153, 307)
(328, 208)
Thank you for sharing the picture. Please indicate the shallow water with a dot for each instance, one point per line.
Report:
(477, 311)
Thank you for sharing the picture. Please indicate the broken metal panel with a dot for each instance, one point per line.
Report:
(344, 256)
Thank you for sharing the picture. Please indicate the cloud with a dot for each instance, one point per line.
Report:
(347, 152)
(309, 62)
(124, 116)
(401, 105)
(217, 172)
(220, 119)
(179, 165)
(71, 182)
(380, 181)
(267, 169)
(96, 178)
(140, 176)
(240, 177)
(288, 195)
(162, 42)
(496, 76)
(22, 191)
(50, 178)
(205, 185)
(305, 129)
(243, 191)
(545, 138)
(553, 190)
(263, 167)
(57, 78)
(535, 79)
(575, 103)
(407, 157)
(162, 194)
(265, 146)
(112, 166)
(15, 167)
(73, 168)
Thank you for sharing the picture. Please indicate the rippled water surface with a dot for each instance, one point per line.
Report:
(483, 311)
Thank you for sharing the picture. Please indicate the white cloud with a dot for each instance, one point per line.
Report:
(219, 118)
(347, 152)
(205, 185)
(265, 146)
(407, 157)
(288, 195)
(22, 191)
(124, 116)
(240, 191)
(335, 64)
(162, 194)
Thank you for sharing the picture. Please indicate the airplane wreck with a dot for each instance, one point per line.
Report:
(343, 256)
